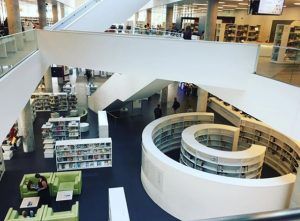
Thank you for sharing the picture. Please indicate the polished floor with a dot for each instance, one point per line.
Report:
(125, 131)
(126, 135)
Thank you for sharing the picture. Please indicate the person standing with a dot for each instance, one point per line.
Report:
(175, 105)
(187, 34)
(157, 112)
(43, 190)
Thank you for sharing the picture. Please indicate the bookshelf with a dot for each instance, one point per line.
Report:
(2, 167)
(212, 148)
(286, 48)
(253, 32)
(83, 154)
(241, 33)
(237, 32)
(283, 152)
(61, 128)
(230, 32)
(54, 102)
(167, 135)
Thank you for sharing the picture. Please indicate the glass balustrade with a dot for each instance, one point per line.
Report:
(146, 32)
(279, 63)
(15, 48)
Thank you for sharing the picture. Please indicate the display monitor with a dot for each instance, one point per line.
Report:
(266, 7)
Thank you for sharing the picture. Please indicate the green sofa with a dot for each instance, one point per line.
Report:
(72, 215)
(70, 180)
(13, 215)
(24, 192)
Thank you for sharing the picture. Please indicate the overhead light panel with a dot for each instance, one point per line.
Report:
(242, 8)
(296, 3)
(241, 3)
(229, 5)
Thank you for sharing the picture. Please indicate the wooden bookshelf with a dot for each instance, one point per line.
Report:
(83, 154)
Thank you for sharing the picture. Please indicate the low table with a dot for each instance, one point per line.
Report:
(64, 195)
(30, 202)
(65, 199)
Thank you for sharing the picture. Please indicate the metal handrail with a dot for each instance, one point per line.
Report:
(280, 215)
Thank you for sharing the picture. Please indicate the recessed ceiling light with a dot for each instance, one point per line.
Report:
(242, 8)
(241, 3)
(222, 2)
(199, 4)
(220, 7)
(297, 3)
(230, 5)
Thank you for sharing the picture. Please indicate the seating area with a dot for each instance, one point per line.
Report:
(66, 181)
(58, 181)
(72, 215)
(24, 192)
(62, 185)
(46, 213)
(13, 215)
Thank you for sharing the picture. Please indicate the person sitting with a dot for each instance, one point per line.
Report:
(43, 190)
(24, 214)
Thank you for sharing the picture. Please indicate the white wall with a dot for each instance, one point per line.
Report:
(242, 17)
(105, 13)
(224, 69)
(160, 58)
(124, 87)
(16, 89)
(189, 194)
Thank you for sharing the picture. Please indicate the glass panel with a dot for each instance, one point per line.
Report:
(279, 63)
(15, 48)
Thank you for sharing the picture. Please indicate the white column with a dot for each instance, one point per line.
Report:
(48, 81)
(169, 18)
(26, 128)
(211, 20)
(202, 100)
(295, 199)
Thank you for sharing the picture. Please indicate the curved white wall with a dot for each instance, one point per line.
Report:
(189, 194)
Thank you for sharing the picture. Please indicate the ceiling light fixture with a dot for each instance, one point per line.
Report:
(222, 2)
(230, 6)
(242, 8)
(241, 3)
(296, 3)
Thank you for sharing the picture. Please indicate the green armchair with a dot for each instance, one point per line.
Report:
(24, 192)
(72, 215)
(70, 180)
(13, 215)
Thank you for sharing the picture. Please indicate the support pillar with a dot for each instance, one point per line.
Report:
(149, 15)
(202, 100)
(62, 10)
(211, 20)
(54, 13)
(14, 21)
(48, 81)
(26, 128)
(169, 18)
(164, 100)
(42, 13)
(13, 16)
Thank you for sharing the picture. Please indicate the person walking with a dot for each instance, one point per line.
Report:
(175, 105)
(157, 112)
(43, 190)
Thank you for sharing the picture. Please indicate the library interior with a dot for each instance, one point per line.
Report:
(149, 110)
